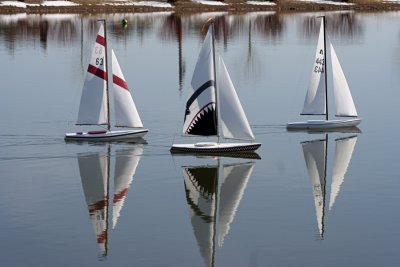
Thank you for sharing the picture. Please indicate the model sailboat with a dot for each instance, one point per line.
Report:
(94, 170)
(315, 155)
(213, 194)
(214, 104)
(316, 102)
(94, 105)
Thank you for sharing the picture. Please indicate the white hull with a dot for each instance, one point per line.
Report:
(211, 147)
(104, 136)
(323, 124)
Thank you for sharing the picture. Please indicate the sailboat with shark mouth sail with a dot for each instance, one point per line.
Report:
(214, 104)
(315, 155)
(316, 101)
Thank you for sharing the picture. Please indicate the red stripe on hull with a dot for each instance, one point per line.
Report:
(120, 82)
(97, 72)
(101, 40)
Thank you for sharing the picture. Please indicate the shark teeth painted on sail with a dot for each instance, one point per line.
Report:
(205, 114)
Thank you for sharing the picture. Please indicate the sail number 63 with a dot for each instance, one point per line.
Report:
(99, 61)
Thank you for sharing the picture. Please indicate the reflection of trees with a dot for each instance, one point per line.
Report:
(172, 30)
(65, 30)
(39, 28)
(270, 26)
(227, 28)
(343, 24)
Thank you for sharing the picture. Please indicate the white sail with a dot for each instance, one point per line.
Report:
(233, 184)
(93, 169)
(314, 103)
(233, 120)
(126, 114)
(93, 105)
(343, 152)
(200, 187)
(314, 155)
(200, 113)
(343, 99)
(126, 162)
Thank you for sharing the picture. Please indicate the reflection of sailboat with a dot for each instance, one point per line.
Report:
(94, 107)
(213, 194)
(316, 102)
(214, 104)
(95, 172)
(315, 155)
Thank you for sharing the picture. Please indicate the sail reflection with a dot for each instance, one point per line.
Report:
(95, 170)
(213, 194)
(315, 155)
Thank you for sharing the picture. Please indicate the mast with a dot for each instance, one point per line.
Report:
(325, 72)
(324, 186)
(215, 80)
(107, 200)
(106, 68)
(216, 183)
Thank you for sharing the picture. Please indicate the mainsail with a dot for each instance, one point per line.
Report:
(93, 169)
(315, 102)
(315, 157)
(343, 99)
(93, 105)
(200, 188)
(200, 114)
(126, 114)
(234, 122)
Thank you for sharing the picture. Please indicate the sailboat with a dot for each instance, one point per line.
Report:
(316, 102)
(214, 104)
(315, 155)
(94, 107)
(94, 170)
(213, 194)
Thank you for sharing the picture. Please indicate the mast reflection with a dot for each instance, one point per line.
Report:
(94, 169)
(316, 158)
(213, 195)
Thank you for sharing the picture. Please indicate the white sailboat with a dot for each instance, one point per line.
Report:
(94, 106)
(95, 170)
(316, 102)
(315, 155)
(214, 104)
(213, 195)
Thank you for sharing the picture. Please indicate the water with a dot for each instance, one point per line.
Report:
(275, 214)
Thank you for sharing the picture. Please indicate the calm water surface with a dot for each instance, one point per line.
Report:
(59, 209)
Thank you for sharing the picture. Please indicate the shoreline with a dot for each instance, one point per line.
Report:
(186, 6)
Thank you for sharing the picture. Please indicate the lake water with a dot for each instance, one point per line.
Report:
(265, 212)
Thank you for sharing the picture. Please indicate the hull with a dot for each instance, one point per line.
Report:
(104, 136)
(323, 124)
(214, 148)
